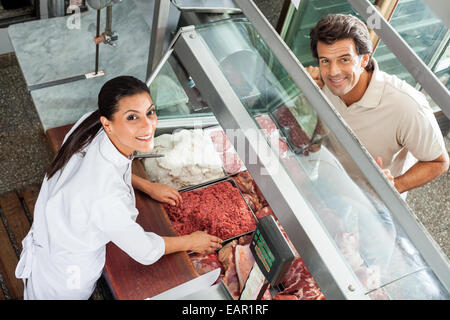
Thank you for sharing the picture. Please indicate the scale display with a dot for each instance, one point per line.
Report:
(271, 250)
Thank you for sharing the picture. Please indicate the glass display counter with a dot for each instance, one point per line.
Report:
(353, 243)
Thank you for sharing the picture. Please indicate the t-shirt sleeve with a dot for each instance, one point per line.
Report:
(419, 132)
(114, 217)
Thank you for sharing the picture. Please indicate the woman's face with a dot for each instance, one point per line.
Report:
(133, 125)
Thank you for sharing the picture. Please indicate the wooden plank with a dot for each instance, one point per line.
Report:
(8, 263)
(2, 295)
(56, 136)
(29, 196)
(130, 280)
(15, 216)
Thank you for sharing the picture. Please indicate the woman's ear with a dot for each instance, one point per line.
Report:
(106, 124)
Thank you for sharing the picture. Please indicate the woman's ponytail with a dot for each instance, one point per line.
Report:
(77, 141)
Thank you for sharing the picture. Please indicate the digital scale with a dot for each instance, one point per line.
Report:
(273, 257)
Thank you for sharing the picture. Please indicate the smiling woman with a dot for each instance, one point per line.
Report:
(87, 199)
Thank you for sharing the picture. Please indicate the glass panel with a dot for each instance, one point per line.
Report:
(412, 19)
(174, 93)
(425, 34)
(305, 18)
(331, 183)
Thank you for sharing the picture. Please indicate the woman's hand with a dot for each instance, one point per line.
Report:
(164, 193)
(202, 242)
(157, 191)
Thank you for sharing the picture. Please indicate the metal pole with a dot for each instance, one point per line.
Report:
(159, 26)
(97, 46)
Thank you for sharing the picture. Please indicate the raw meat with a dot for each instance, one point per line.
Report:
(230, 278)
(237, 261)
(244, 263)
(284, 297)
(265, 212)
(190, 159)
(299, 282)
(244, 181)
(204, 263)
(252, 201)
(250, 190)
(218, 209)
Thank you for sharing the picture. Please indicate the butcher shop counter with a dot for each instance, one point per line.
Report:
(128, 279)
(356, 235)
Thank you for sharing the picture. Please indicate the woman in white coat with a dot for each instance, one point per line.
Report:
(87, 199)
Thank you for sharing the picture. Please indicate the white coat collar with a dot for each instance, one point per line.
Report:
(110, 152)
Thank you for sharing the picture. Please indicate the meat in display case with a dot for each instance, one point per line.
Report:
(349, 243)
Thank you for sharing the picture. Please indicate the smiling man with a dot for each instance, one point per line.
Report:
(392, 119)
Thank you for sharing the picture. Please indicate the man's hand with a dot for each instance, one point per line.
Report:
(315, 74)
(387, 172)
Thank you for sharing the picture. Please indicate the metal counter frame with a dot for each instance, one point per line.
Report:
(420, 237)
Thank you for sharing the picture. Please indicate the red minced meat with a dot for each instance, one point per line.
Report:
(218, 209)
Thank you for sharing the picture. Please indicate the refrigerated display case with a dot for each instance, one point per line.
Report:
(357, 237)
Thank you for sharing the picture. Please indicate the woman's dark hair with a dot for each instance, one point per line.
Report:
(108, 100)
(334, 27)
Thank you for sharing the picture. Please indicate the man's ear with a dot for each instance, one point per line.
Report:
(365, 60)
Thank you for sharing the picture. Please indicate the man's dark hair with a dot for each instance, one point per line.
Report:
(335, 27)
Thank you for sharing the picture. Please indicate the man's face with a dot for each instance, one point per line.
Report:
(340, 66)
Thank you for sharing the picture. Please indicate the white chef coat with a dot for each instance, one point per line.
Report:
(78, 211)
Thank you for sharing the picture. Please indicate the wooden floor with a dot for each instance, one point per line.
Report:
(16, 213)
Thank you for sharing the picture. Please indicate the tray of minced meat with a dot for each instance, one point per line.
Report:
(218, 208)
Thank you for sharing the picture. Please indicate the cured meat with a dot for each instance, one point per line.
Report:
(231, 162)
(285, 117)
(220, 140)
(218, 209)
(266, 124)
(299, 282)
(224, 148)
(244, 263)
(271, 131)
(298, 137)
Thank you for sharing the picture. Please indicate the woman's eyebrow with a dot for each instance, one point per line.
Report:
(136, 111)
